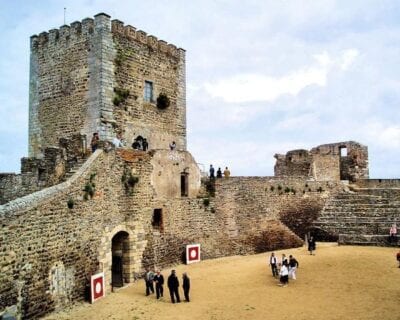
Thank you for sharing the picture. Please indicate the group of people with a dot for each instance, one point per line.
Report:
(139, 143)
(226, 172)
(172, 283)
(283, 268)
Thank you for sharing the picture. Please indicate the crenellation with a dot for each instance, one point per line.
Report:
(152, 42)
(117, 26)
(87, 26)
(141, 36)
(34, 41)
(53, 36)
(173, 50)
(43, 38)
(163, 46)
(130, 32)
(65, 32)
(76, 28)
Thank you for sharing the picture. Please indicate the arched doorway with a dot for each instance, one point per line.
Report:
(120, 259)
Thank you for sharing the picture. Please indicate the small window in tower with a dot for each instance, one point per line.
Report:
(157, 222)
(343, 151)
(148, 91)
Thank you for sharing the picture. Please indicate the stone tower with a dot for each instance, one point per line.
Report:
(101, 76)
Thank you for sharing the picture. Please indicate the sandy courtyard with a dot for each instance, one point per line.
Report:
(339, 282)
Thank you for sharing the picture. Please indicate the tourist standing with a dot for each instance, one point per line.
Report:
(227, 173)
(117, 141)
(212, 170)
(148, 278)
(293, 265)
(393, 233)
(219, 173)
(311, 245)
(145, 144)
(95, 142)
(159, 280)
(273, 262)
(186, 286)
(172, 145)
(173, 285)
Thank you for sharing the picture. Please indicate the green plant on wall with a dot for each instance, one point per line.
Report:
(120, 96)
(90, 188)
(163, 101)
(70, 203)
(206, 202)
(129, 181)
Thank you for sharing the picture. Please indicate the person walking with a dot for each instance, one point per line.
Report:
(159, 281)
(186, 286)
(311, 245)
(148, 278)
(273, 262)
(284, 274)
(293, 265)
(173, 286)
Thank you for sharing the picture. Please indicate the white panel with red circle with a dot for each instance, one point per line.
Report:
(192, 253)
(97, 289)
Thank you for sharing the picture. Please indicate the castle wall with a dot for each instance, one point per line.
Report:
(50, 249)
(143, 58)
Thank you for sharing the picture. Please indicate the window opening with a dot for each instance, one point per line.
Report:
(148, 91)
(157, 222)
(343, 151)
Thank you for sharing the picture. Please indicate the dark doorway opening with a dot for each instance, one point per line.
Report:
(120, 259)
(157, 222)
(184, 184)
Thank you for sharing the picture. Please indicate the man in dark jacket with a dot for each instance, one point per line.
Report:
(186, 286)
(159, 280)
(173, 285)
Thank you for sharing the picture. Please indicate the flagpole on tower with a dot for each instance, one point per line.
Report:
(65, 12)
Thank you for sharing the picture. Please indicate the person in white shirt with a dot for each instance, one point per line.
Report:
(284, 275)
(117, 141)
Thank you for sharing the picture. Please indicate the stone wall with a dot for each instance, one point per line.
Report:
(378, 183)
(52, 249)
(359, 215)
(141, 57)
(327, 162)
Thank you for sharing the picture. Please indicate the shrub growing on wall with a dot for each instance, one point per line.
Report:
(163, 101)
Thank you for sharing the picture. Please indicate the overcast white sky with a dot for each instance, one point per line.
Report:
(263, 77)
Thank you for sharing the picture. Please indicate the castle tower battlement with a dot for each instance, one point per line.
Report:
(76, 73)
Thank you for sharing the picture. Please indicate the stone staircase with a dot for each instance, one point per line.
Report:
(362, 216)
(74, 167)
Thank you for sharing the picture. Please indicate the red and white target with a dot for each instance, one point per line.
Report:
(97, 290)
(192, 253)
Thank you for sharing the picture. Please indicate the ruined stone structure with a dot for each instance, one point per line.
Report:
(337, 161)
(72, 213)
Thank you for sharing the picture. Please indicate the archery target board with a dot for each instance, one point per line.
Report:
(192, 253)
(97, 289)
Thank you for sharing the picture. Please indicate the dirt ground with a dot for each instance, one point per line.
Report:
(339, 282)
